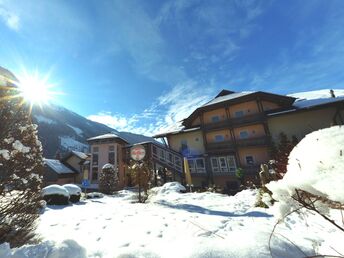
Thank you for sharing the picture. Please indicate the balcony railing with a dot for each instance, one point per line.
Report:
(261, 141)
(234, 121)
(220, 146)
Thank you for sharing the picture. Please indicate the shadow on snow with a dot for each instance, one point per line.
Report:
(199, 209)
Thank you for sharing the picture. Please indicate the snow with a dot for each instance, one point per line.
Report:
(315, 165)
(17, 145)
(5, 154)
(168, 188)
(105, 136)
(72, 189)
(317, 94)
(81, 155)
(43, 119)
(71, 144)
(108, 166)
(173, 224)
(55, 189)
(77, 130)
(58, 167)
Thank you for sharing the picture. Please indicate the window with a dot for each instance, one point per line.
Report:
(95, 173)
(191, 163)
(111, 156)
(239, 113)
(95, 149)
(170, 158)
(215, 119)
(161, 154)
(215, 165)
(219, 138)
(249, 160)
(155, 151)
(243, 135)
(231, 163)
(94, 159)
(196, 165)
(184, 146)
(223, 164)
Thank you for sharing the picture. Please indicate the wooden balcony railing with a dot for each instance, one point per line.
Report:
(234, 121)
(220, 146)
(261, 141)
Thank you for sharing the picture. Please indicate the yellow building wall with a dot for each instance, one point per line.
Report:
(194, 141)
(259, 154)
(254, 131)
(267, 105)
(300, 124)
(207, 116)
(249, 108)
(210, 136)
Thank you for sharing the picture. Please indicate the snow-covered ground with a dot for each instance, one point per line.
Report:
(177, 225)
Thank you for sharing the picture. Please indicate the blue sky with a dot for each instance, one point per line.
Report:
(142, 66)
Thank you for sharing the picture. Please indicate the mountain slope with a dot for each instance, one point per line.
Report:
(60, 129)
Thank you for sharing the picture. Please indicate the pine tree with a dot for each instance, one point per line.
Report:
(20, 170)
(108, 179)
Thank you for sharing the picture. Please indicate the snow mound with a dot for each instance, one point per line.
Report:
(108, 166)
(72, 189)
(55, 189)
(316, 165)
(172, 187)
(94, 195)
(48, 249)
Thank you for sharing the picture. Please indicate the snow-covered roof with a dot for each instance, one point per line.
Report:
(106, 136)
(80, 154)
(308, 104)
(228, 97)
(177, 132)
(317, 94)
(58, 167)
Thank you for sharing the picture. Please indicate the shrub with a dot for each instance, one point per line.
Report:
(108, 179)
(55, 195)
(74, 192)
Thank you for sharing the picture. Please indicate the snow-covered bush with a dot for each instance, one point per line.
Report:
(108, 179)
(55, 195)
(21, 168)
(94, 195)
(314, 177)
(74, 192)
(171, 187)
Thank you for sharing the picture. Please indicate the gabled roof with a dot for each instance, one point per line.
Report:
(79, 154)
(108, 136)
(58, 167)
(238, 97)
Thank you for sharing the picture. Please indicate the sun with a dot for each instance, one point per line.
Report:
(35, 89)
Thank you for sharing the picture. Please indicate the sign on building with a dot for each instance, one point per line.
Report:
(137, 152)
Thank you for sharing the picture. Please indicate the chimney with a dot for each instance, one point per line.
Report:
(332, 94)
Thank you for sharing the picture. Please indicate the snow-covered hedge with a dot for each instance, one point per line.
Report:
(74, 192)
(55, 195)
(171, 187)
(316, 165)
(94, 195)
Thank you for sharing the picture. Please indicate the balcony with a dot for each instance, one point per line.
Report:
(251, 119)
(220, 146)
(261, 141)
(244, 120)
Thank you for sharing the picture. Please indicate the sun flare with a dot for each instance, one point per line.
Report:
(35, 89)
